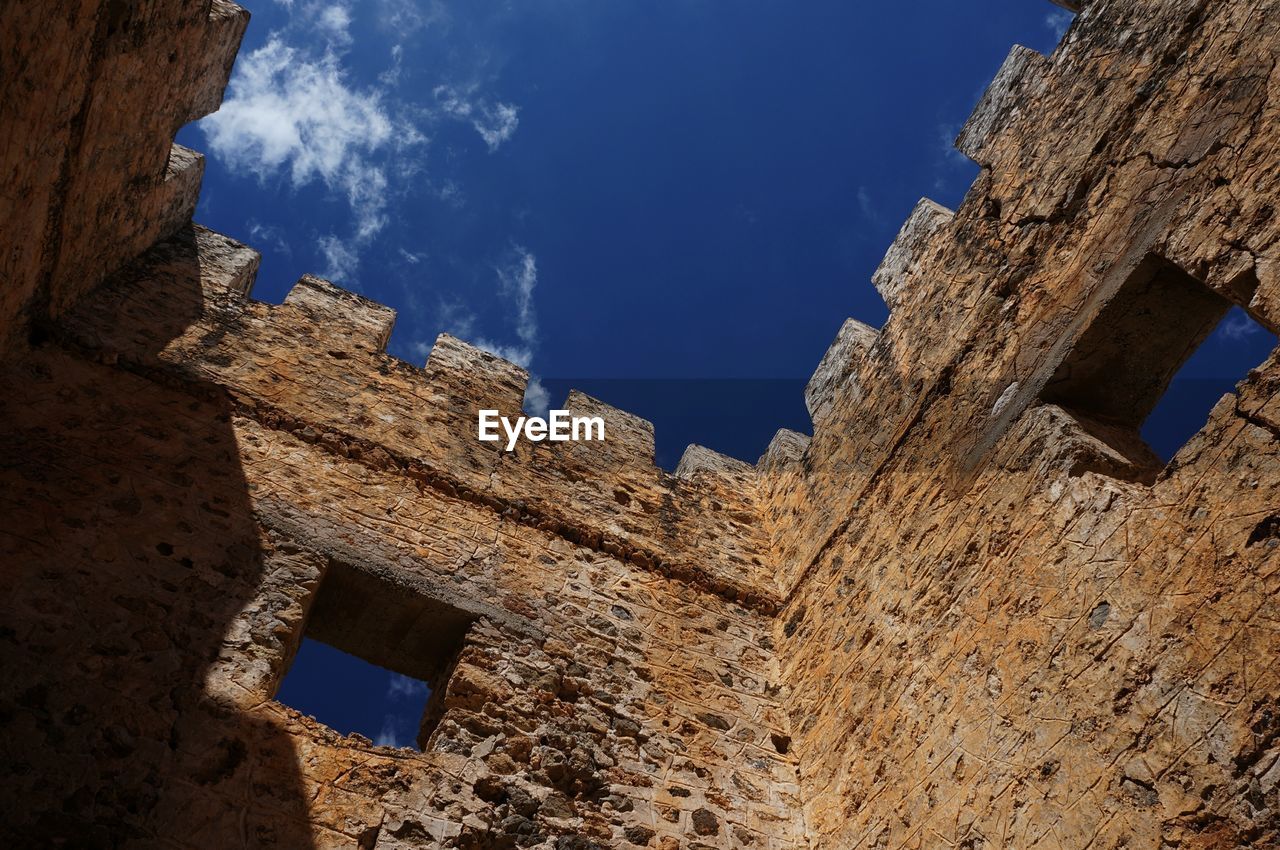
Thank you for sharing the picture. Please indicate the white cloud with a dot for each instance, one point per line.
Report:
(205, 206)
(389, 735)
(1237, 326)
(947, 134)
(405, 17)
(284, 110)
(951, 163)
(391, 76)
(296, 112)
(521, 355)
(496, 123)
(517, 281)
(342, 260)
(404, 687)
(451, 193)
(268, 235)
(335, 22)
(456, 319)
(288, 113)
(536, 398)
(499, 124)
(452, 317)
(1059, 22)
(867, 207)
(366, 189)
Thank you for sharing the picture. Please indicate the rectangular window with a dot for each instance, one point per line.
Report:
(1114, 377)
(374, 658)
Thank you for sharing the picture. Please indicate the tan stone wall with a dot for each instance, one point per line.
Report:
(317, 362)
(599, 699)
(970, 612)
(1003, 635)
(92, 93)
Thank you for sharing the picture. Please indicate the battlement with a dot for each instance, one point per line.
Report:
(316, 365)
(983, 299)
(973, 609)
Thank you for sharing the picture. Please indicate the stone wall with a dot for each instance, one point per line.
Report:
(592, 695)
(972, 611)
(92, 93)
(1008, 626)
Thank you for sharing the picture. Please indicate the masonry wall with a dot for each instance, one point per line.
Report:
(971, 611)
(596, 695)
(1006, 627)
(92, 93)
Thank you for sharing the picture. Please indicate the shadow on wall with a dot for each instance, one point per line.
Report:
(127, 547)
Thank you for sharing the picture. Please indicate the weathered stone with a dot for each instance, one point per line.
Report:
(920, 232)
(974, 610)
(705, 822)
(837, 374)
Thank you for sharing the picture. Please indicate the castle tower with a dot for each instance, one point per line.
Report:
(971, 610)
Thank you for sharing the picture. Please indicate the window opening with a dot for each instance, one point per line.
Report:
(374, 658)
(1131, 379)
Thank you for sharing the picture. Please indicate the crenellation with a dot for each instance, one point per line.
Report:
(1008, 101)
(837, 375)
(184, 172)
(787, 447)
(921, 232)
(702, 460)
(628, 439)
(474, 378)
(212, 54)
(1013, 565)
(93, 166)
(425, 419)
(973, 610)
(342, 315)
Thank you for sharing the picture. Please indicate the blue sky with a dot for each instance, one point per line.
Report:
(672, 205)
(605, 192)
(349, 694)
